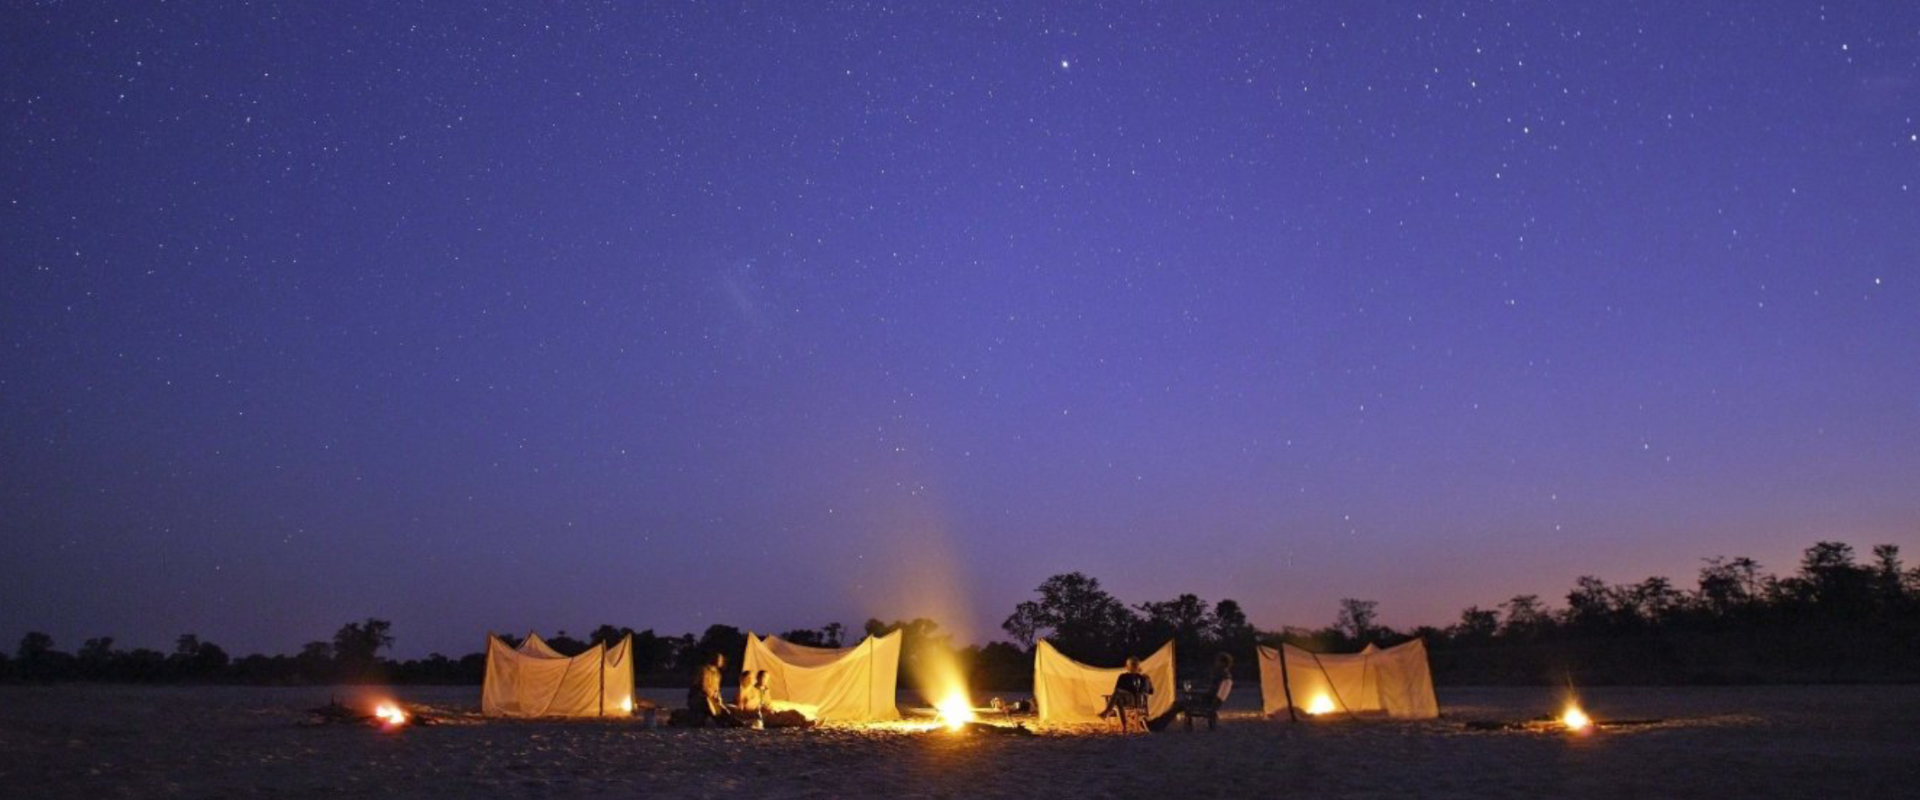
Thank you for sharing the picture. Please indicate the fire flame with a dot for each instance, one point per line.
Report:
(1320, 704)
(1575, 719)
(626, 705)
(956, 710)
(390, 714)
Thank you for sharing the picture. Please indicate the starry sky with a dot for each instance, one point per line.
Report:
(496, 317)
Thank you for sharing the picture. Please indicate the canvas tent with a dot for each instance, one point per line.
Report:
(533, 645)
(1068, 691)
(534, 680)
(850, 684)
(1394, 681)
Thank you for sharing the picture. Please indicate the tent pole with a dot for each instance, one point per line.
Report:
(1286, 683)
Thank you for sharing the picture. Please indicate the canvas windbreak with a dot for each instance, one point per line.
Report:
(1395, 681)
(851, 684)
(533, 645)
(1069, 691)
(536, 681)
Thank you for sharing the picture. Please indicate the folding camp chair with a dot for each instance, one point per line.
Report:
(1205, 705)
(1131, 707)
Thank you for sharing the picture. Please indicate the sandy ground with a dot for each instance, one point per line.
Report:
(104, 742)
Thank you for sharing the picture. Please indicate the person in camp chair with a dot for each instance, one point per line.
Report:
(1203, 700)
(1130, 693)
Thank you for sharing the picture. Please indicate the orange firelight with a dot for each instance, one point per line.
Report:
(390, 715)
(956, 710)
(1575, 719)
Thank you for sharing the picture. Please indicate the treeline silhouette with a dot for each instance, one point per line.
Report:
(1834, 619)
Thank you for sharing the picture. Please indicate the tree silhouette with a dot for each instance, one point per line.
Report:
(357, 646)
(1525, 616)
(1081, 619)
(34, 646)
(608, 635)
(1356, 620)
(724, 639)
(1829, 579)
(96, 659)
(566, 645)
(1232, 633)
(1728, 586)
(1477, 625)
(1184, 619)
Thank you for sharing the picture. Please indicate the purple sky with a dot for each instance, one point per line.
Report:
(662, 315)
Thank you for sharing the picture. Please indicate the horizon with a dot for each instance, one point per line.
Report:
(854, 627)
(671, 316)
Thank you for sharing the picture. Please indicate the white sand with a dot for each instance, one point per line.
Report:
(103, 742)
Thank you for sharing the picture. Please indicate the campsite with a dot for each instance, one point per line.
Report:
(761, 399)
(82, 741)
(545, 723)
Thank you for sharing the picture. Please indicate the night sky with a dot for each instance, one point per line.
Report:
(777, 314)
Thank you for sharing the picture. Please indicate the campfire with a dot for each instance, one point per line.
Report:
(390, 714)
(955, 710)
(1573, 719)
(1320, 704)
(387, 715)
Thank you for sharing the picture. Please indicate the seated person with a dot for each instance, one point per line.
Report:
(704, 705)
(770, 714)
(1130, 691)
(1205, 700)
(747, 701)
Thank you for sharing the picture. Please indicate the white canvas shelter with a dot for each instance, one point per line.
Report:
(533, 645)
(849, 684)
(1068, 691)
(1395, 681)
(534, 680)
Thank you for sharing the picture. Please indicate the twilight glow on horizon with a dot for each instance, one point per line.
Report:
(775, 315)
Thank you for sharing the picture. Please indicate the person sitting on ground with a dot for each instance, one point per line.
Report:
(749, 701)
(1130, 692)
(771, 714)
(704, 705)
(761, 694)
